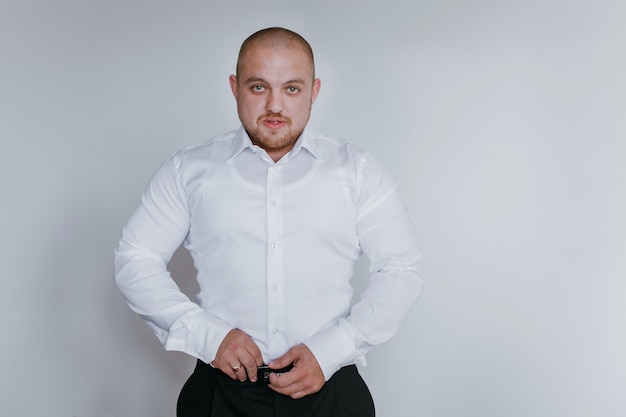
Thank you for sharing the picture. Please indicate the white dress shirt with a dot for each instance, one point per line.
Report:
(275, 246)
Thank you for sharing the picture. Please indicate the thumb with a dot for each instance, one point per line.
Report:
(287, 359)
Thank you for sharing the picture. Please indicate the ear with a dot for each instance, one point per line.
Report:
(317, 84)
(233, 85)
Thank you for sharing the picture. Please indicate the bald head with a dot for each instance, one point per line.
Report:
(278, 38)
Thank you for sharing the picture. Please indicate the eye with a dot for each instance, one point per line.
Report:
(293, 90)
(257, 88)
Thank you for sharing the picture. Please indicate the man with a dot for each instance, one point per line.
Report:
(275, 216)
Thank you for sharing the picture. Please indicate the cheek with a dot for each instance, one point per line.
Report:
(301, 112)
(248, 107)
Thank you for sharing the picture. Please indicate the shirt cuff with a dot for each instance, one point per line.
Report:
(334, 348)
(199, 335)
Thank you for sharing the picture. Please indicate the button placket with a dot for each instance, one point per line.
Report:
(275, 295)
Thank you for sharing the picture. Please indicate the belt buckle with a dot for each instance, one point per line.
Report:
(263, 373)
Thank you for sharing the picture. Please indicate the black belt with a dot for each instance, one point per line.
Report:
(263, 373)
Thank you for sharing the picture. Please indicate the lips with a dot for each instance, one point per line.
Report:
(274, 123)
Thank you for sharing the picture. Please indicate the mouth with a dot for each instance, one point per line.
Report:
(274, 123)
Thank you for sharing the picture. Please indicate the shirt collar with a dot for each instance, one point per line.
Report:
(240, 142)
(306, 141)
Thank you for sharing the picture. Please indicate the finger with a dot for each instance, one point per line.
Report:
(253, 361)
(284, 381)
(305, 378)
(295, 388)
(253, 350)
(249, 370)
(238, 352)
(295, 391)
(240, 372)
(287, 359)
(232, 366)
(248, 365)
(238, 369)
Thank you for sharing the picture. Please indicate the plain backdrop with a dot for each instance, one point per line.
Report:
(504, 122)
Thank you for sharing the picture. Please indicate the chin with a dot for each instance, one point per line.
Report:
(273, 140)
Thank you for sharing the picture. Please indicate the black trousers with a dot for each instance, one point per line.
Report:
(210, 393)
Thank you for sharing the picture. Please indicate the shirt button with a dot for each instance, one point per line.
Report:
(273, 202)
(274, 287)
(273, 245)
(275, 331)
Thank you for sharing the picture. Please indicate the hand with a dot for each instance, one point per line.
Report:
(238, 356)
(304, 379)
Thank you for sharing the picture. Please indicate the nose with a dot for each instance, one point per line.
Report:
(274, 102)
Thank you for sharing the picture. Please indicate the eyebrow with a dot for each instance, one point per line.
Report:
(261, 80)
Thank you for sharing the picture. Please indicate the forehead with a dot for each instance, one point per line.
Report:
(278, 61)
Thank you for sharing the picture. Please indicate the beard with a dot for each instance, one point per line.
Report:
(273, 140)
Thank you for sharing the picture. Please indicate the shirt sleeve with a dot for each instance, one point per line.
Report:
(155, 230)
(387, 237)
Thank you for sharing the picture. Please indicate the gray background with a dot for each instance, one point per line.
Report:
(502, 120)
